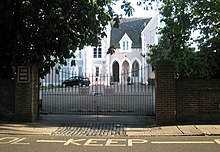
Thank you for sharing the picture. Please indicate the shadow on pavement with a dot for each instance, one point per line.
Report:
(127, 120)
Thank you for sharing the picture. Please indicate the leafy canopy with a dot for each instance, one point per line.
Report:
(49, 31)
(182, 18)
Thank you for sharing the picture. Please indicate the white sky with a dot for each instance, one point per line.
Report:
(139, 10)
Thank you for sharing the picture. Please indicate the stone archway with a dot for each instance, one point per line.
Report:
(115, 67)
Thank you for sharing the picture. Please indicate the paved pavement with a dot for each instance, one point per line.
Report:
(105, 126)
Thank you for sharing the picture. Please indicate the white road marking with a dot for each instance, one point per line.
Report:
(19, 142)
(102, 142)
(50, 141)
(182, 142)
(73, 141)
(136, 141)
(8, 140)
(94, 142)
(115, 142)
(217, 141)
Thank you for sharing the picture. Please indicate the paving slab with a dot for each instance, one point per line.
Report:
(190, 130)
(171, 130)
(30, 129)
(135, 129)
(136, 134)
(146, 131)
(209, 129)
(156, 131)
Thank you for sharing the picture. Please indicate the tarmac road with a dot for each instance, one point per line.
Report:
(33, 143)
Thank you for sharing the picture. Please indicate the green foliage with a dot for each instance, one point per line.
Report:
(48, 32)
(111, 50)
(181, 17)
(128, 9)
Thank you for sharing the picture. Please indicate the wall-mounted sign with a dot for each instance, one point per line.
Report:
(104, 62)
(23, 74)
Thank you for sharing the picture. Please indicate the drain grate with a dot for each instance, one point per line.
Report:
(91, 129)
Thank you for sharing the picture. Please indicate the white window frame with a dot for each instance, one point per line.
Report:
(95, 67)
(125, 44)
(97, 52)
(97, 71)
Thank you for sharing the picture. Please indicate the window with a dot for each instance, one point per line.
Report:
(125, 45)
(135, 69)
(80, 55)
(80, 73)
(97, 71)
(97, 52)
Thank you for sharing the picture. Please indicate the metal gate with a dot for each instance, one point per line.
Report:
(102, 96)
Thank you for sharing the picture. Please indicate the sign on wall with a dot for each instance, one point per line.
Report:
(23, 74)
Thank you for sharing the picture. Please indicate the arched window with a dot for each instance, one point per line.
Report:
(135, 69)
(125, 70)
(115, 67)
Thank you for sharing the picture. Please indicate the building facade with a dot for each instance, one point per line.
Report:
(128, 62)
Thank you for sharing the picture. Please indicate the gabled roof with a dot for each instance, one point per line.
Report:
(133, 27)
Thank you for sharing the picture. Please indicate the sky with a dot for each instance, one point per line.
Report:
(139, 10)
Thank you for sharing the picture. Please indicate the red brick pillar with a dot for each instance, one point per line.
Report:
(165, 93)
(26, 94)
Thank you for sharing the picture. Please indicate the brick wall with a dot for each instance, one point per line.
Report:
(26, 98)
(19, 101)
(185, 101)
(198, 100)
(165, 93)
(7, 94)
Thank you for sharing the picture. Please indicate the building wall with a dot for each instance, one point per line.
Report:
(150, 33)
(89, 64)
(128, 57)
(149, 36)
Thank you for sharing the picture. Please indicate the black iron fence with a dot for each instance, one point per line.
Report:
(102, 96)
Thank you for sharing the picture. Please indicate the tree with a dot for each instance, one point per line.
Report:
(181, 18)
(206, 19)
(49, 31)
